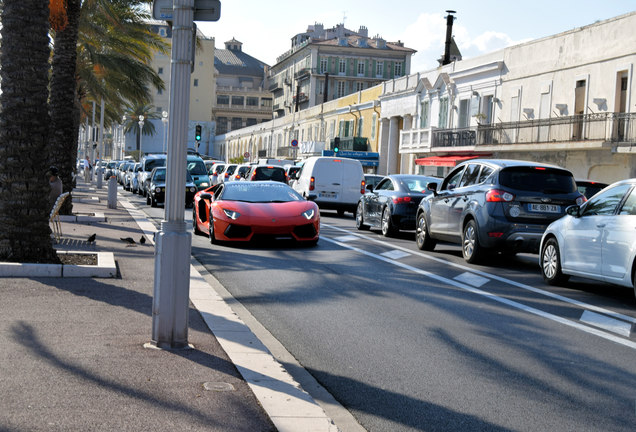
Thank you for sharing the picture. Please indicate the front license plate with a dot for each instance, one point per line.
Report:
(545, 208)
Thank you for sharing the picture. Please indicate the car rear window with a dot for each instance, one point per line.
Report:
(196, 168)
(538, 179)
(154, 163)
(270, 173)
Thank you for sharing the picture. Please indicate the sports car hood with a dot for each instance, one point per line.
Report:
(275, 209)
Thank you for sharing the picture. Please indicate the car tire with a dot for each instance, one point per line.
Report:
(153, 202)
(387, 227)
(471, 249)
(148, 201)
(551, 263)
(360, 219)
(195, 226)
(423, 239)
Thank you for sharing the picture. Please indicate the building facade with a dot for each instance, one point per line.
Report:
(326, 64)
(566, 99)
(241, 98)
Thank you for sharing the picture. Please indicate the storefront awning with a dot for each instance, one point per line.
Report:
(445, 161)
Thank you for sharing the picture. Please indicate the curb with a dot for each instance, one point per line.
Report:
(105, 267)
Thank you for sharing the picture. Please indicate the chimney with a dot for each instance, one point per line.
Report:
(449, 35)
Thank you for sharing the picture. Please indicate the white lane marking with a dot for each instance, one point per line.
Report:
(610, 324)
(499, 278)
(347, 238)
(491, 296)
(472, 279)
(395, 254)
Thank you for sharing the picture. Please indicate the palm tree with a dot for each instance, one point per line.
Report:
(132, 121)
(24, 129)
(104, 51)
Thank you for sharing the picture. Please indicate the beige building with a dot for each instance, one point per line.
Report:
(326, 64)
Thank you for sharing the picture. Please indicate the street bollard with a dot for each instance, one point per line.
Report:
(100, 175)
(112, 192)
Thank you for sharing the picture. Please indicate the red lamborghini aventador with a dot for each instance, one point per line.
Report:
(239, 211)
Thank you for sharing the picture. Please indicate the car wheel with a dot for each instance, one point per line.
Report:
(387, 226)
(471, 249)
(153, 202)
(360, 219)
(195, 225)
(551, 263)
(422, 237)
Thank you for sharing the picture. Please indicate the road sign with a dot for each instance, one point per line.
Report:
(246, 154)
(204, 10)
(294, 143)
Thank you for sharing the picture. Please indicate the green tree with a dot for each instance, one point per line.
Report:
(131, 122)
(24, 130)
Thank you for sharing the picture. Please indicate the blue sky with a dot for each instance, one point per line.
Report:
(266, 27)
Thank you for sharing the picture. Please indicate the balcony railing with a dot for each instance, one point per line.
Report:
(604, 127)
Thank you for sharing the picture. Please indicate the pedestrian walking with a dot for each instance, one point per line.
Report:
(56, 185)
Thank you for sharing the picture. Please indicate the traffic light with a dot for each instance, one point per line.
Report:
(197, 133)
(336, 146)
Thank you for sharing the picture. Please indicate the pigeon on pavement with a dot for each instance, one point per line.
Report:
(127, 239)
(142, 240)
(91, 239)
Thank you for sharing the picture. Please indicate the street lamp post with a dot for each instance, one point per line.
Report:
(164, 120)
(141, 128)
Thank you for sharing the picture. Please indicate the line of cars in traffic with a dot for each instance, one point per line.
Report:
(488, 207)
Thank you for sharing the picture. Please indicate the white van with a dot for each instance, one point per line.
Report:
(334, 183)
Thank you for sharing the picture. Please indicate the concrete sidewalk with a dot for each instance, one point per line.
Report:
(72, 353)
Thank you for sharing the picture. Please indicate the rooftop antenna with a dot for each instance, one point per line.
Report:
(344, 17)
(449, 36)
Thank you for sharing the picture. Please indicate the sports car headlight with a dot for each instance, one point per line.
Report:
(231, 214)
(309, 214)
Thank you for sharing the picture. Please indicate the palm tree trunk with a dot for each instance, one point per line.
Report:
(24, 129)
(64, 102)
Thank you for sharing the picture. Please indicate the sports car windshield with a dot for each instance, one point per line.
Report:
(255, 192)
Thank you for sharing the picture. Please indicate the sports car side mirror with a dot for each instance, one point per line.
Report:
(206, 196)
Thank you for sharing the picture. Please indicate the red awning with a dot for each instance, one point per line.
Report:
(445, 161)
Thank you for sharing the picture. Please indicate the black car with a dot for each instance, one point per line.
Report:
(157, 188)
(372, 179)
(266, 172)
(495, 205)
(392, 204)
(589, 188)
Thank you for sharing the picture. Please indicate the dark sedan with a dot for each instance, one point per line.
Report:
(157, 188)
(391, 206)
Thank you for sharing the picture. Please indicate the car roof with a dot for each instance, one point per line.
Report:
(504, 163)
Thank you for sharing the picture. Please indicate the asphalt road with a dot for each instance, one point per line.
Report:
(409, 340)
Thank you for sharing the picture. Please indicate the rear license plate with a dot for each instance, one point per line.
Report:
(328, 195)
(545, 208)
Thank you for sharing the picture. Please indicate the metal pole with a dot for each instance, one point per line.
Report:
(93, 143)
(100, 172)
(172, 251)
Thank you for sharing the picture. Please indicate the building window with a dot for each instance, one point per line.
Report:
(424, 115)
(266, 102)
(379, 69)
(443, 113)
(464, 119)
(342, 66)
(360, 68)
(250, 122)
(160, 70)
(359, 86)
(252, 101)
(360, 123)
(323, 65)
(341, 88)
(196, 82)
(237, 123)
(398, 69)
(374, 120)
(222, 100)
(221, 125)
(237, 100)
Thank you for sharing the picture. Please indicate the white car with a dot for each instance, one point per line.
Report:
(596, 240)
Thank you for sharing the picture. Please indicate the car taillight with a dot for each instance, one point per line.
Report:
(253, 175)
(362, 187)
(312, 183)
(496, 195)
(400, 200)
(580, 200)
